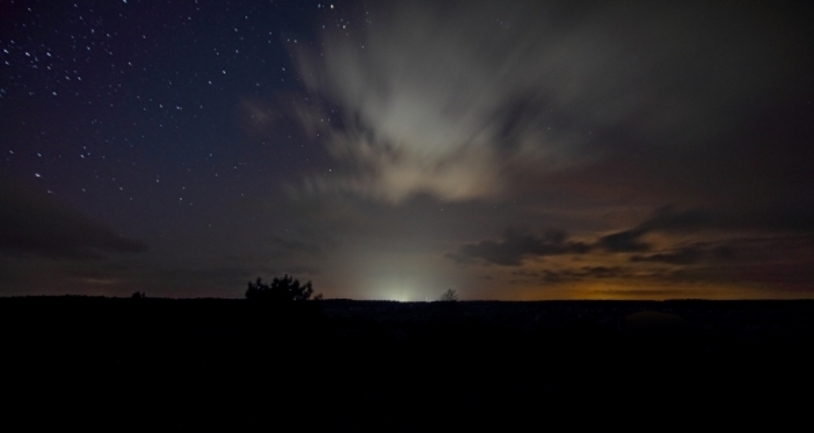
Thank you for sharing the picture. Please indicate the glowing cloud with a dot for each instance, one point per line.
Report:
(429, 104)
(453, 98)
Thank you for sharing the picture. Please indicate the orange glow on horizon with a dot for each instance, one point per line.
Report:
(642, 291)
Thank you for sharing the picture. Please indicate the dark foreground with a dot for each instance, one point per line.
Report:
(230, 365)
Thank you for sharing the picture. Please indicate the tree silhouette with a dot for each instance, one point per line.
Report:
(285, 289)
(449, 296)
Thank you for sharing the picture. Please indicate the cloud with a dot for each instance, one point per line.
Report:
(517, 246)
(665, 219)
(433, 101)
(733, 228)
(625, 242)
(578, 274)
(449, 98)
(33, 223)
(669, 220)
(682, 256)
(585, 273)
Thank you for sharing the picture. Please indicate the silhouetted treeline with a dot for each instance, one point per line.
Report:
(281, 290)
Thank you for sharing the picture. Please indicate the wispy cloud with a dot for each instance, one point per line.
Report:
(446, 98)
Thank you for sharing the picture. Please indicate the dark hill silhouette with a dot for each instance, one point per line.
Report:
(210, 364)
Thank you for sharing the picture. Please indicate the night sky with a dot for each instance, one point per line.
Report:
(394, 150)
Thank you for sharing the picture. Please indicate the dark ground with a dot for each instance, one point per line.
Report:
(232, 365)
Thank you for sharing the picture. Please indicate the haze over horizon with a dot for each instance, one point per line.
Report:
(393, 150)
